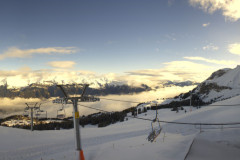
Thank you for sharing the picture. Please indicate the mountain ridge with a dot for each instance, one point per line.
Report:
(222, 84)
(38, 90)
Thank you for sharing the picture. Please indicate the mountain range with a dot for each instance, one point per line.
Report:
(38, 90)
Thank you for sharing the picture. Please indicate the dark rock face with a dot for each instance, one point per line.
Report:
(206, 88)
(217, 74)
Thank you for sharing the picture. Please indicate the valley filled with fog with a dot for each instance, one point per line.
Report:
(16, 106)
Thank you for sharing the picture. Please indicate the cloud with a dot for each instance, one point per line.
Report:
(146, 72)
(24, 76)
(171, 36)
(230, 8)
(62, 64)
(170, 2)
(14, 52)
(234, 48)
(210, 47)
(206, 24)
(224, 62)
(186, 70)
(173, 71)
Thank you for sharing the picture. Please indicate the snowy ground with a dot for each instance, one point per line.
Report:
(127, 140)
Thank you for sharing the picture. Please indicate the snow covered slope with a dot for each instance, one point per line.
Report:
(231, 78)
(127, 140)
(220, 85)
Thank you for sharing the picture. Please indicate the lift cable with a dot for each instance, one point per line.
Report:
(120, 100)
(171, 122)
(160, 99)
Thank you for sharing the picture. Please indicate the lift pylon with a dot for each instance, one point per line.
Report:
(31, 109)
(74, 100)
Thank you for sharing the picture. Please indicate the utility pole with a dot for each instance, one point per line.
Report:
(31, 108)
(74, 101)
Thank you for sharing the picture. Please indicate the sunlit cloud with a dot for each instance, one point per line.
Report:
(234, 48)
(62, 64)
(24, 76)
(224, 62)
(15, 52)
(187, 70)
(205, 24)
(210, 47)
(229, 8)
(171, 71)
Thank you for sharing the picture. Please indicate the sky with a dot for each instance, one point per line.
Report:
(137, 41)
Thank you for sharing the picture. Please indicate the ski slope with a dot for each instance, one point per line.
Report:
(127, 140)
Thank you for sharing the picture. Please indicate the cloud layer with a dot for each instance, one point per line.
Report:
(224, 62)
(14, 52)
(62, 64)
(230, 8)
(173, 71)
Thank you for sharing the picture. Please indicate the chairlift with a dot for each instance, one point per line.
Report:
(61, 112)
(156, 129)
(37, 114)
(41, 114)
(25, 113)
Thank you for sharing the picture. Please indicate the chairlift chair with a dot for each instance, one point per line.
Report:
(37, 114)
(155, 130)
(61, 112)
(25, 113)
(41, 114)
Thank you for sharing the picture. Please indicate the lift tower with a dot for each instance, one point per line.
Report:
(31, 108)
(74, 100)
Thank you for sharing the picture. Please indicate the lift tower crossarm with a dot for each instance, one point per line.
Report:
(64, 92)
(84, 89)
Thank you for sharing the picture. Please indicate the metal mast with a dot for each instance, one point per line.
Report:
(74, 101)
(31, 108)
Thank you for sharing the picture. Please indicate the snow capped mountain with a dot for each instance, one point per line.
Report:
(231, 78)
(222, 84)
